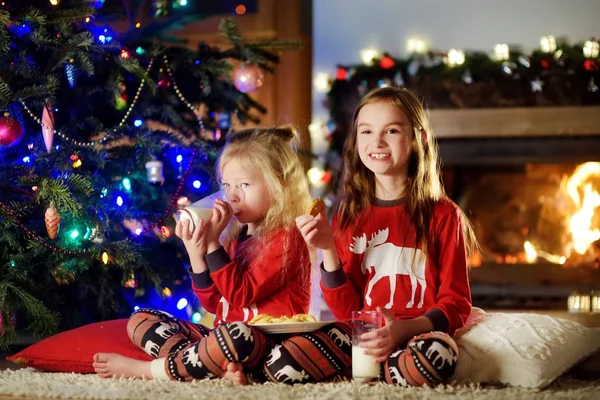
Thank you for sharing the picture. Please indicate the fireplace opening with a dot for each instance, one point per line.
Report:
(538, 225)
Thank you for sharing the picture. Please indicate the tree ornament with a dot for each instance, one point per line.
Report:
(386, 62)
(537, 85)
(341, 74)
(160, 8)
(121, 98)
(467, 77)
(62, 276)
(71, 72)
(131, 282)
(363, 87)
(590, 65)
(11, 131)
(52, 220)
(155, 172)
(97, 234)
(592, 87)
(165, 81)
(48, 125)
(398, 79)
(248, 78)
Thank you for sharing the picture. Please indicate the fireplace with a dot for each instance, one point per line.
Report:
(529, 179)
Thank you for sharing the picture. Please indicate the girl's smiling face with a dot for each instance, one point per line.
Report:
(384, 139)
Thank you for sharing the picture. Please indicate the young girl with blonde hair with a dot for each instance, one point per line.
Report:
(249, 258)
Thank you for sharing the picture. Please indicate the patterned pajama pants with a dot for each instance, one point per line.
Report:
(195, 352)
(428, 359)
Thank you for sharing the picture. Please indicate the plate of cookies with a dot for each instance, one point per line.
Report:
(297, 323)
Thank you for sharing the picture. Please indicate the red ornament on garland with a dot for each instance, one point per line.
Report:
(386, 62)
(590, 65)
(341, 74)
(248, 78)
(11, 131)
(545, 64)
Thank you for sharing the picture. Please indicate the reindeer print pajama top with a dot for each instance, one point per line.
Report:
(383, 266)
(276, 282)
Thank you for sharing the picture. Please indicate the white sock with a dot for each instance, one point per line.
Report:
(157, 369)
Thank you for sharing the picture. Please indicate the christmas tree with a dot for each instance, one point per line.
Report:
(105, 133)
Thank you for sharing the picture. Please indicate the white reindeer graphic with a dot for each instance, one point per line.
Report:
(275, 355)
(241, 330)
(151, 348)
(336, 335)
(225, 308)
(190, 356)
(247, 312)
(291, 374)
(442, 353)
(397, 377)
(388, 261)
(166, 329)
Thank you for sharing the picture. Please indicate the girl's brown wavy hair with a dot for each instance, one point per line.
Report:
(423, 187)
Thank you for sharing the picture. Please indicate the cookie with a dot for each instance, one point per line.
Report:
(316, 207)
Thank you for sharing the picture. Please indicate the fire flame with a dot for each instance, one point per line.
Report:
(586, 200)
(581, 222)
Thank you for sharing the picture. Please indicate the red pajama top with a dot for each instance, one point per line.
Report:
(277, 282)
(383, 266)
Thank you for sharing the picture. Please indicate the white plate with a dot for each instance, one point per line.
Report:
(292, 327)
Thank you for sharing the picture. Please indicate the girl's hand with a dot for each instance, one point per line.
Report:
(222, 213)
(316, 231)
(382, 342)
(194, 242)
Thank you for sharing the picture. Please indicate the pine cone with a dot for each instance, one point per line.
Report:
(52, 220)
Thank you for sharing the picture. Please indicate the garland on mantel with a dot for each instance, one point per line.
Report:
(559, 75)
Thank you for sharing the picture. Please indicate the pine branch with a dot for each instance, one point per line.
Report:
(6, 95)
(70, 15)
(57, 191)
(231, 32)
(43, 321)
(278, 45)
(4, 36)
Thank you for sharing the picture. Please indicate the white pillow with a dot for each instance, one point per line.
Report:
(528, 350)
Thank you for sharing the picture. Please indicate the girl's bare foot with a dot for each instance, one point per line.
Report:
(235, 373)
(112, 365)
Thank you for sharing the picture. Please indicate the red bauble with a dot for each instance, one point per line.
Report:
(386, 62)
(248, 78)
(341, 74)
(590, 65)
(11, 131)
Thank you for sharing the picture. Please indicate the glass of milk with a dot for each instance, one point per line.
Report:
(200, 210)
(364, 368)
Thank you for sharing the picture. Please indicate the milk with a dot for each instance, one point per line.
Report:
(200, 210)
(364, 368)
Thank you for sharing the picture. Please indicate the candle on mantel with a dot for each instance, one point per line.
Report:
(595, 306)
(578, 303)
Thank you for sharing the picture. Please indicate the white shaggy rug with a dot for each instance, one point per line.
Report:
(29, 382)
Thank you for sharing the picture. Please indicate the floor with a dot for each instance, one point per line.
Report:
(588, 370)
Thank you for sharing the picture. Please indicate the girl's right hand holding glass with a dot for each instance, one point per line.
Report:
(194, 242)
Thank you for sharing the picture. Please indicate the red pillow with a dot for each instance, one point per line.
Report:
(73, 351)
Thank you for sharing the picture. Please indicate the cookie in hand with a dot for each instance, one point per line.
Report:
(316, 207)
